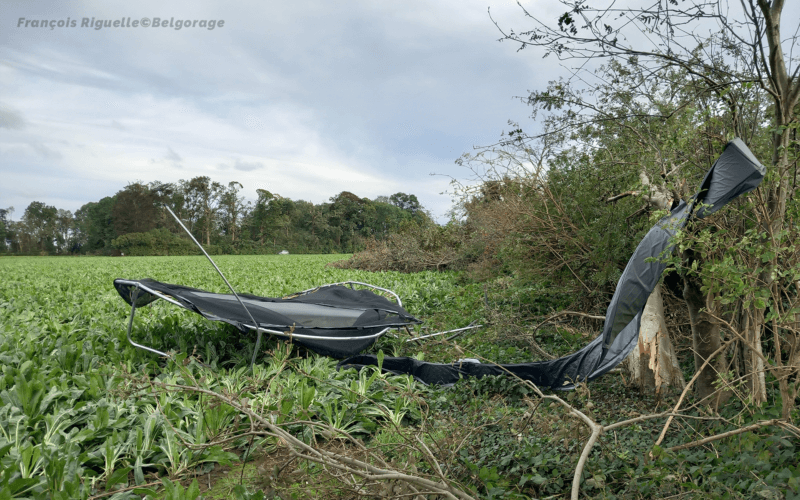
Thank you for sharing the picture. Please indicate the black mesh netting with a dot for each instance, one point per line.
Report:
(734, 173)
(350, 320)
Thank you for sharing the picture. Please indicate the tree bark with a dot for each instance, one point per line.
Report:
(705, 341)
(653, 364)
(753, 362)
(793, 364)
(794, 344)
(785, 91)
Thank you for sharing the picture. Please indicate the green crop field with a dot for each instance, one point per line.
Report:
(84, 415)
(75, 420)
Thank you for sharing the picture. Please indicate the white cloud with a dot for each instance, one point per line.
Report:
(247, 166)
(172, 156)
(306, 99)
(45, 152)
(10, 119)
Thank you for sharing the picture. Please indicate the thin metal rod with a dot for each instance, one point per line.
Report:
(258, 339)
(130, 325)
(442, 333)
(351, 283)
(320, 337)
(154, 293)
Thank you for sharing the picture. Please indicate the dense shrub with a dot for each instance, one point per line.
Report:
(416, 247)
(154, 242)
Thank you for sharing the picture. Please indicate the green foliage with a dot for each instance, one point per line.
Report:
(5, 230)
(133, 222)
(242, 493)
(135, 209)
(417, 245)
(80, 416)
(175, 491)
(76, 419)
(154, 242)
(37, 229)
(94, 226)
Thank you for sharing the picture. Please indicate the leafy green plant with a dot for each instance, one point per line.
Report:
(176, 491)
(82, 413)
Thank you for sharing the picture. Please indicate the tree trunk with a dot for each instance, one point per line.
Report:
(705, 341)
(753, 362)
(785, 90)
(652, 364)
(793, 366)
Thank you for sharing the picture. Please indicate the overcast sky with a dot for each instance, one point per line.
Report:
(303, 98)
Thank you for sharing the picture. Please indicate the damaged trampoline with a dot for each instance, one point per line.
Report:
(335, 319)
(338, 321)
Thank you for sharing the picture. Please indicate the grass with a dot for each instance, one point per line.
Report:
(82, 412)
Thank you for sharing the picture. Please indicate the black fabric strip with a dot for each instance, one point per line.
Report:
(734, 173)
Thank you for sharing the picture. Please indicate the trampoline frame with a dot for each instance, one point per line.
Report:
(254, 326)
(259, 330)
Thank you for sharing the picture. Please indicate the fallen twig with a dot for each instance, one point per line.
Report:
(565, 313)
(330, 459)
(129, 488)
(717, 437)
(686, 389)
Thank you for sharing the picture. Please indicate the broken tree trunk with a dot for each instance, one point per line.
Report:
(652, 364)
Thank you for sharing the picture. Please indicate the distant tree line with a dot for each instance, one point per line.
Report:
(133, 222)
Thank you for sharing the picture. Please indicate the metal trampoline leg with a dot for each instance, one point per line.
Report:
(255, 351)
(130, 326)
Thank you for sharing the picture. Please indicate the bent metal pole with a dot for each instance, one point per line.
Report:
(255, 325)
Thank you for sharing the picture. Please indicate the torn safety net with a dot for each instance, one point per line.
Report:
(335, 320)
(735, 172)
